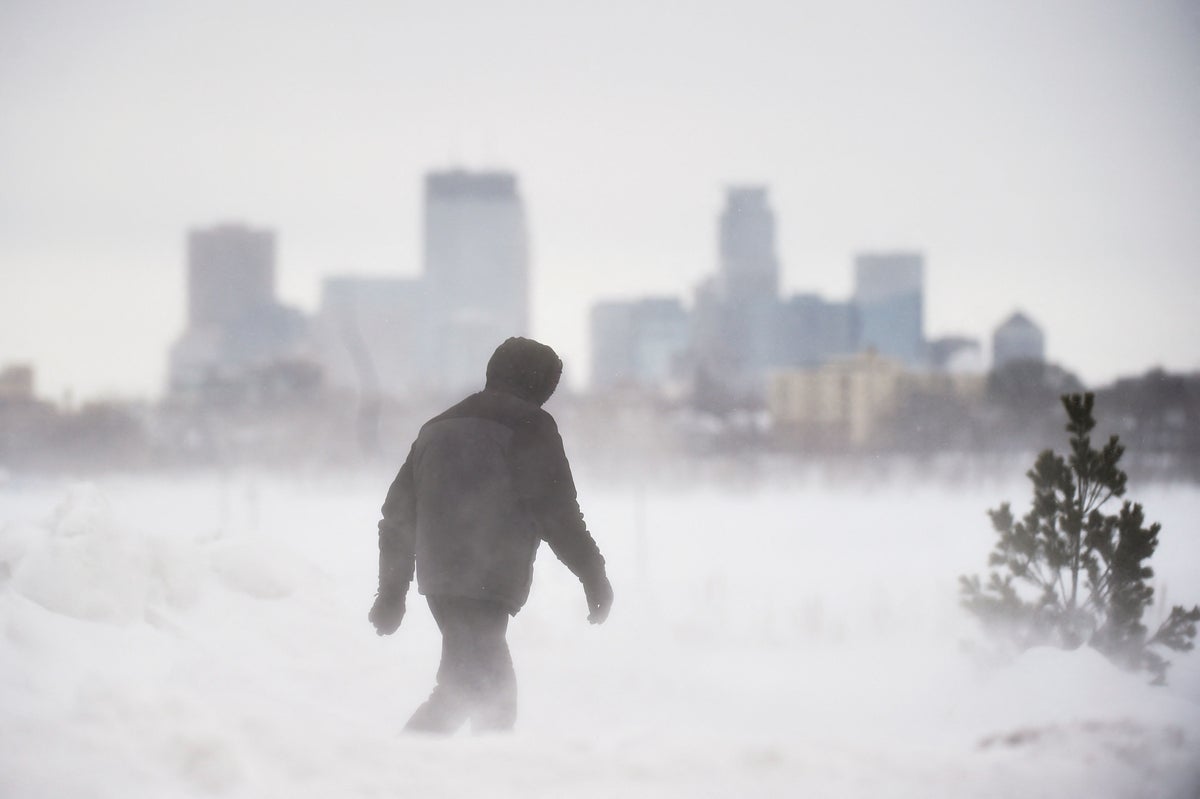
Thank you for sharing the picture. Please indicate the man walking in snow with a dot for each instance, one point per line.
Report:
(484, 483)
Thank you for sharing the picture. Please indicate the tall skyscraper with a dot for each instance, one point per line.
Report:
(477, 271)
(230, 272)
(736, 313)
(1018, 338)
(889, 293)
(749, 266)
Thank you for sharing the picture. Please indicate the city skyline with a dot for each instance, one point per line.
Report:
(1042, 159)
(404, 337)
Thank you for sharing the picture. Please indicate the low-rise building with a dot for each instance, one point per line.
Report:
(1017, 338)
(957, 354)
(16, 383)
(850, 401)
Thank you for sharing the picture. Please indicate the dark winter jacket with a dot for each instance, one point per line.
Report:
(485, 482)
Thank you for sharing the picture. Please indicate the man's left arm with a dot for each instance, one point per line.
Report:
(550, 495)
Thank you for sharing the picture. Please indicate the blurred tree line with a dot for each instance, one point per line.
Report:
(1156, 414)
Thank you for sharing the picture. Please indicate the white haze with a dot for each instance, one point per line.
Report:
(1043, 155)
(208, 636)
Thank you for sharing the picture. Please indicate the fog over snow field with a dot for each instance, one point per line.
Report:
(207, 636)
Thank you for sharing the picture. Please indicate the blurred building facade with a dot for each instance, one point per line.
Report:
(743, 329)
(476, 271)
(848, 401)
(956, 354)
(230, 274)
(889, 295)
(748, 263)
(810, 330)
(639, 344)
(380, 336)
(372, 335)
(1017, 338)
(736, 310)
(17, 383)
(235, 325)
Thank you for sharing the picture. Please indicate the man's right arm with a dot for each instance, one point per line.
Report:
(397, 550)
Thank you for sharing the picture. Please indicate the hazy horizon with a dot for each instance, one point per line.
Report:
(1042, 157)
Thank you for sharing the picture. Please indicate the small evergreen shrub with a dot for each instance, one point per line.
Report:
(1068, 573)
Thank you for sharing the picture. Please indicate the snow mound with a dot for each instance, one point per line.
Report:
(86, 565)
(1076, 686)
(252, 568)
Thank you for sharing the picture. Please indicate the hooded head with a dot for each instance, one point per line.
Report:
(526, 368)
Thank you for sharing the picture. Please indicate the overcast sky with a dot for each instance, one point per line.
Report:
(1043, 155)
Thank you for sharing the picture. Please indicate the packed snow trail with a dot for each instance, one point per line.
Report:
(209, 637)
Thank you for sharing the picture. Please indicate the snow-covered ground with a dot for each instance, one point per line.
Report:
(208, 636)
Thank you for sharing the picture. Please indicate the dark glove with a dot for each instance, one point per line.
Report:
(387, 612)
(599, 595)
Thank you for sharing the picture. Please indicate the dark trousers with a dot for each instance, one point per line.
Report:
(475, 679)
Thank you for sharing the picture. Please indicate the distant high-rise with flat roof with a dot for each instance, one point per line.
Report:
(476, 266)
(810, 331)
(889, 294)
(230, 272)
(235, 323)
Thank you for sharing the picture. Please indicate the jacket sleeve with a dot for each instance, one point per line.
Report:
(398, 532)
(548, 493)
